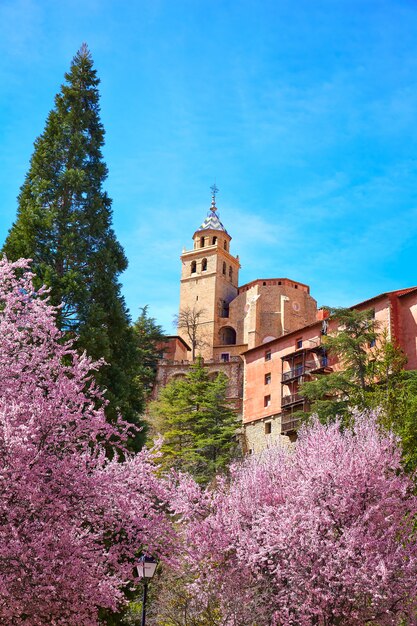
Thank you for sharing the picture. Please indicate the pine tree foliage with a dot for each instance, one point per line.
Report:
(197, 423)
(333, 394)
(148, 335)
(64, 223)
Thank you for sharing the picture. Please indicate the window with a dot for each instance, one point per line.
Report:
(267, 400)
(204, 265)
(268, 428)
(264, 284)
(224, 268)
(279, 282)
(224, 309)
(299, 343)
(230, 272)
(227, 336)
(295, 286)
(225, 357)
(225, 245)
(193, 267)
(268, 355)
(268, 378)
(201, 242)
(214, 241)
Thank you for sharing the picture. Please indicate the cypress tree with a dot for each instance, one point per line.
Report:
(64, 223)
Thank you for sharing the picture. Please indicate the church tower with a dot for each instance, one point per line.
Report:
(209, 282)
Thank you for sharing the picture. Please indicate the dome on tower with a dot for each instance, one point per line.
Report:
(212, 222)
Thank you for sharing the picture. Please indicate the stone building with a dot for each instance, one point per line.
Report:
(266, 335)
(227, 318)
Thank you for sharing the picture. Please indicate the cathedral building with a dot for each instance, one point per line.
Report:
(265, 335)
(219, 319)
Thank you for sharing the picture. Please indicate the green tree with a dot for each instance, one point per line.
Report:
(334, 394)
(148, 335)
(395, 394)
(64, 223)
(372, 376)
(197, 423)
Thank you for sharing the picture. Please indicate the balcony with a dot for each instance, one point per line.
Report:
(307, 368)
(295, 372)
(291, 400)
(289, 424)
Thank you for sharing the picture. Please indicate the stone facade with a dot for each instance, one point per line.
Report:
(233, 369)
(209, 282)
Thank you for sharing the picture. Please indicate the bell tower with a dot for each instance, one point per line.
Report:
(209, 282)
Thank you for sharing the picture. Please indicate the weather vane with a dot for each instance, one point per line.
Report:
(214, 190)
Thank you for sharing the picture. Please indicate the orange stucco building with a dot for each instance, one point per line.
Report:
(274, 370)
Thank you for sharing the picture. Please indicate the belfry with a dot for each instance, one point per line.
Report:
(209, 283)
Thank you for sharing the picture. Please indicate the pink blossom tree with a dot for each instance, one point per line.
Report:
(73, 515)
(322, 534)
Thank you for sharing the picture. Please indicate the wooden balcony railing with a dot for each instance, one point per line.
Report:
(293, 398)
(307, 368)
(289, 424)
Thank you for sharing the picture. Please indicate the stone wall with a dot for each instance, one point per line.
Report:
(263, 433)
(169, 370)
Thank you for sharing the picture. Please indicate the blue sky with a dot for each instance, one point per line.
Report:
(304, 113)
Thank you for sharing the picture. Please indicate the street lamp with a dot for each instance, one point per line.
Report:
(146, 569)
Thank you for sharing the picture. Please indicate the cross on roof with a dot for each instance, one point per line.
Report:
(214, 190)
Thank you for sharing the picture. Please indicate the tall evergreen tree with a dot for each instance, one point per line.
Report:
(64, 223)
(197, 423)
(148, 335)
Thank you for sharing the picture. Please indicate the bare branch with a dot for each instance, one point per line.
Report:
(190, 320)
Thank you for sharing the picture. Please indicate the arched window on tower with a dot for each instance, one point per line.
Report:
(227, 336)
(230, 272)
(204, 265)
(225, 245)
(201, 242)
(214, 241)
(193, 267)
(224, 268)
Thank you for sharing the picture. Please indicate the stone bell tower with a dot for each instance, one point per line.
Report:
(209, 282)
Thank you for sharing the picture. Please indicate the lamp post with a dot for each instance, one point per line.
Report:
(146, 569)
